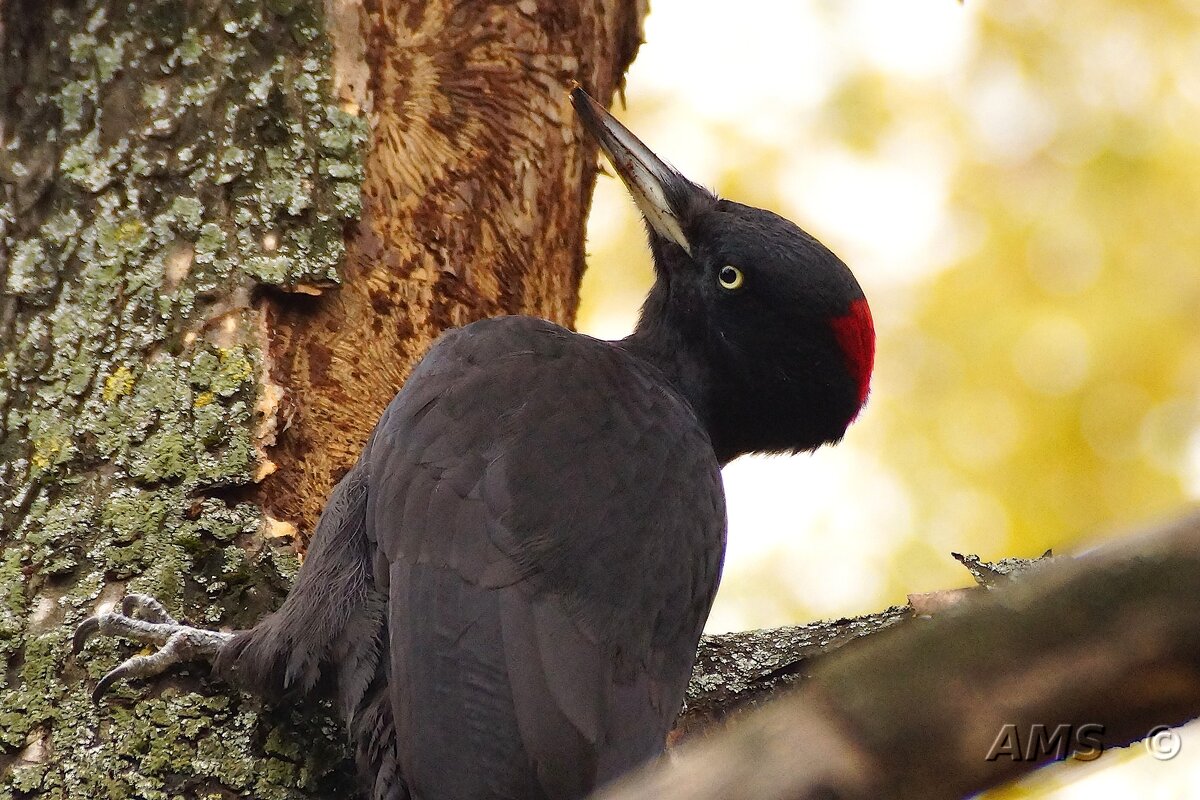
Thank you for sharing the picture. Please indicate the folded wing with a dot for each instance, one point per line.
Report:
(550, 527)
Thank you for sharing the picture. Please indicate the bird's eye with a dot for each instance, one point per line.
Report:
(730, 278)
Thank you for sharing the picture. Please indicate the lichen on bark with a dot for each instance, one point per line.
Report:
(164, 163)
(169, 171)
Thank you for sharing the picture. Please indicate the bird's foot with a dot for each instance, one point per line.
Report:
(143, 619)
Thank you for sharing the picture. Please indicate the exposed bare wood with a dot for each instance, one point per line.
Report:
(477, 187)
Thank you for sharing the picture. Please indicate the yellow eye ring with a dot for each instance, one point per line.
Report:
(730, 277)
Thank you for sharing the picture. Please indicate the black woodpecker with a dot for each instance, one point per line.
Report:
(504, 595)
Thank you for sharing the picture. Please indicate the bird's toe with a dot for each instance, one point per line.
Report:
(143, 606)
(145, 620)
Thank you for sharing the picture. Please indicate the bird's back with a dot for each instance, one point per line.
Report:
(551, 520)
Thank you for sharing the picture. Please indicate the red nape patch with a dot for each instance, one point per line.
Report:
(855, 331)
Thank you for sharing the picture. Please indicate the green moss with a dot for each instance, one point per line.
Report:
(29, 777)
(14, 603)
(129, 515)
(119, 413)
(285, 562)
(163, 457)
(185, 215)
(88, 165)
(29, 271)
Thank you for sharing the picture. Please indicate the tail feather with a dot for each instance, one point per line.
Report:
(329, 609)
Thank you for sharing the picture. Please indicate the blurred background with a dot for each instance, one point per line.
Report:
(1017, 186)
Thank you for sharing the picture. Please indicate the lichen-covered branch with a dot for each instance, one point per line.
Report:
(1076, 655)
(736, 672)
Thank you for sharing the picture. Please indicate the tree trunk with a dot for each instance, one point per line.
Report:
(202, 316)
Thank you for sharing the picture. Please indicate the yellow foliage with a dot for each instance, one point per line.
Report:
(1039, 374)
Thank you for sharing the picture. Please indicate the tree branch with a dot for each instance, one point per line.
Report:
(735, 672)
(1086, 653)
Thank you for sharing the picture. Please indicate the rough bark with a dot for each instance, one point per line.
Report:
(738, 672)
(189, 304)
(1077, 656)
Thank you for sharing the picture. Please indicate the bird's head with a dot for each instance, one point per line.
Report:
(778, 330)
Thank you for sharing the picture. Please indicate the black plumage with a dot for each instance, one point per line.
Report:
(505, 594)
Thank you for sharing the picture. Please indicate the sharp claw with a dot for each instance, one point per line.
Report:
(105, 683)
(85, 631)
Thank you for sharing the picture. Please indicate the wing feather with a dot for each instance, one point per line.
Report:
(551, 524)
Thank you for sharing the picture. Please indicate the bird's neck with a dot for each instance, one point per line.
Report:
(684, 367)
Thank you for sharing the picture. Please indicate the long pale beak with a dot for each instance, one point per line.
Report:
(659, 191)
